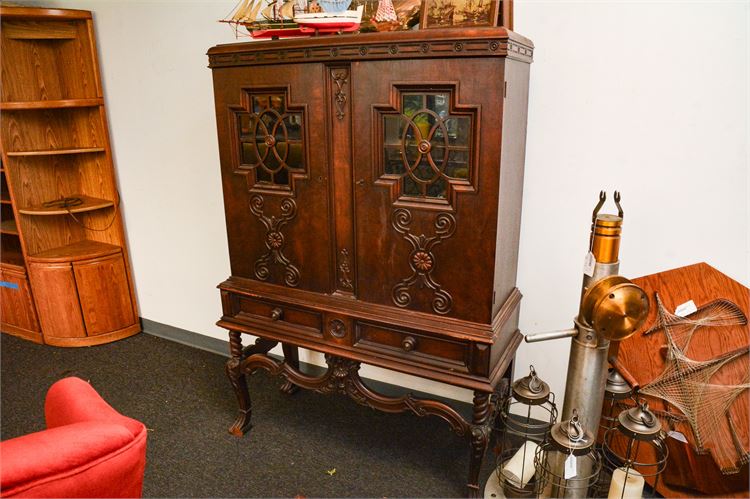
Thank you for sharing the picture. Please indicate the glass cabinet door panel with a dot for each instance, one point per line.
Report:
(419, 143)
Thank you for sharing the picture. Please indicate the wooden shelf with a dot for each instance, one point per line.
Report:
(50, 104)
(89, 204)
(8, 227)
(54, 152)
(33, 30)
(81, 250)
(12, 259)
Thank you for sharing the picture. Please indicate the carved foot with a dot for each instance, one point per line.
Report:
(242, 424)
(291, 357)
(288, 388)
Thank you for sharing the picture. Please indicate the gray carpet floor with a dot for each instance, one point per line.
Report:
(183, 397)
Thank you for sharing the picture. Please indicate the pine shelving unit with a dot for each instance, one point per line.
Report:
(65, 268)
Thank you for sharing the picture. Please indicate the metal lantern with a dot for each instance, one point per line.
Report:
(617, 392)
(567, 463)
(524, 421)
(634, 452)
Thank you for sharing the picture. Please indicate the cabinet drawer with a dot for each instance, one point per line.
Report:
(253, 309)
(443, 352)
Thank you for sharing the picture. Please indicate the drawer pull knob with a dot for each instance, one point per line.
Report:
(276, 314)
(409, 343)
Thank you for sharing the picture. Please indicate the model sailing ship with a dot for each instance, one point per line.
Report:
(287, 18)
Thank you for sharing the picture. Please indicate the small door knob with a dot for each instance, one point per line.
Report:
(409, 343)
(276, 314)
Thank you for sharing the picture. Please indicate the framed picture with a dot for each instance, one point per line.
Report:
(459, 13)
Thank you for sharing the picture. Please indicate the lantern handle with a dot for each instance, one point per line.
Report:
(575, 431)
(535, 384)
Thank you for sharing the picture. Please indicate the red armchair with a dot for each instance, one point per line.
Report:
(87, 450)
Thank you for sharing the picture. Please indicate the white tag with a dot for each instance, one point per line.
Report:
(588, 264)
(686, 309)
(570, 467)
(677, 436)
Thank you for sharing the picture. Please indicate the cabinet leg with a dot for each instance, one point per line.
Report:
(242, 424)
(480, 437)
(291, 357)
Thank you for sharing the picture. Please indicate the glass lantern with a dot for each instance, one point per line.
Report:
(567, 463)
(523, 423)
(634, 453)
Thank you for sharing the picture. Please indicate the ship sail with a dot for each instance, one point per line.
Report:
(253, 14)
(287, 10)
(241, 10)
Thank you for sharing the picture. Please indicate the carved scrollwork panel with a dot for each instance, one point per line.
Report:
(422, 260)
(340, 78)
(274, 240)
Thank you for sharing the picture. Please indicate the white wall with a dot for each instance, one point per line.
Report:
(650, 98)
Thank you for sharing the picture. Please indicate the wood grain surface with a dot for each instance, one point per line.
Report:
(643, 357)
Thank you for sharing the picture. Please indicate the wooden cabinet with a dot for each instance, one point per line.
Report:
(372, 188)
(60, 206)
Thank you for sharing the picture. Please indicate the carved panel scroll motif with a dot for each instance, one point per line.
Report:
(422, 260)
(271, 140)
(428, 145)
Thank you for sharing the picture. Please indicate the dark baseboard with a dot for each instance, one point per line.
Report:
(221, 347)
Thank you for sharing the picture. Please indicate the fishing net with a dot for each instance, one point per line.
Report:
(685, 383)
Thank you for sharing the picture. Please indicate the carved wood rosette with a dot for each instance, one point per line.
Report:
(422, 260)
(275, 240)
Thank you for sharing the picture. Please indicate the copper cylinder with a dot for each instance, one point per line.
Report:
(606, 238)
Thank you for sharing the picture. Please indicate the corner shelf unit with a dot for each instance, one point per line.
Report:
(65, 270)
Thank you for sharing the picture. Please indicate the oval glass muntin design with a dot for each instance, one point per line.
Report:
(271, 139)
(428, 145)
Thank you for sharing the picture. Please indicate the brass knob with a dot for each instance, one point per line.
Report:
(409, 343)
(276, 314)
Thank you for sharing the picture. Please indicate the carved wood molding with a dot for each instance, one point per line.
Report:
(275, 240)
(342, 377)
(345, 269)
(422, 260)
(498, 47)
(340, 77)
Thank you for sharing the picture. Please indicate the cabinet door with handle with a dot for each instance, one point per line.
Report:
(273, 145)
(426, 168)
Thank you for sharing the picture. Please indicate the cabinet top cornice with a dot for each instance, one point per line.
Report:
(467, 42)
(16, 12)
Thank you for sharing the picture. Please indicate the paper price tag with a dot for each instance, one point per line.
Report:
(677, 436)
(570, 467)
(588, 264)
(686, 309)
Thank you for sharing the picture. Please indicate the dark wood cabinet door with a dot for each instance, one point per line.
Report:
(274, 160)
(426, 175)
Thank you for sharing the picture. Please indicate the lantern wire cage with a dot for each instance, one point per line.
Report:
(618, 397)
(524, 419)
(567, 464)
(635, 460)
